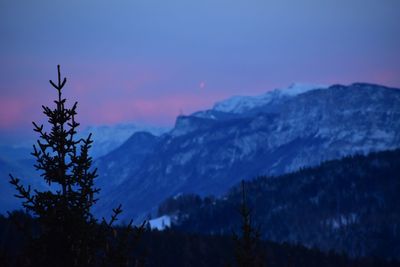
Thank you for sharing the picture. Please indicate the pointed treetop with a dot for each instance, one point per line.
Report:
(60, 84)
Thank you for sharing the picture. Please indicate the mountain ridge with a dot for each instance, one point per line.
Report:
(207, 156)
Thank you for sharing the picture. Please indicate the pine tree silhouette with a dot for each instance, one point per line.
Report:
(246, 245)
(69, 234)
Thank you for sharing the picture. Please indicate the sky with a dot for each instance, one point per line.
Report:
(147, 61)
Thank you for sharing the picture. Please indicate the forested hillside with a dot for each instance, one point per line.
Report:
(349, 205)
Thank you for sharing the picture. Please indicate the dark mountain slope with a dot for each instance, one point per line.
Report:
(349, 205)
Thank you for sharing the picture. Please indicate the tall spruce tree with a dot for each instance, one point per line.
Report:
(69, 234)
(247, 252)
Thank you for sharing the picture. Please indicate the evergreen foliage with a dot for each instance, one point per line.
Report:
(176, 249)
(348, 205)
(246, 245)
(68, 234)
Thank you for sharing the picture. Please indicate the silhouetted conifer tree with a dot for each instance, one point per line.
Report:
(69, 235)
(247, 253)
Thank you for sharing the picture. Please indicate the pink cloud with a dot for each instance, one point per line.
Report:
(110, 94)
(12, 111)
(162, 110)
(386, 77)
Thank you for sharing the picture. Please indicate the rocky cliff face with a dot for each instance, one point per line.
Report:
(209, 151)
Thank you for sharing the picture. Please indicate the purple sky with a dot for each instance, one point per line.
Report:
(149, 60)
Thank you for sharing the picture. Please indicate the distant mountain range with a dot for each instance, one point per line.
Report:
(21, 168)
(18, 160)
(243, 137)
(109, 137)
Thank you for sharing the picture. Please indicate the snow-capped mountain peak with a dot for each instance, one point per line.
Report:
(300, 88)
(239, 104)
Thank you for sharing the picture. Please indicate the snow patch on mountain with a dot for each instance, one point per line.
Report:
(160, 223)
(300, 88)
(239, 104)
